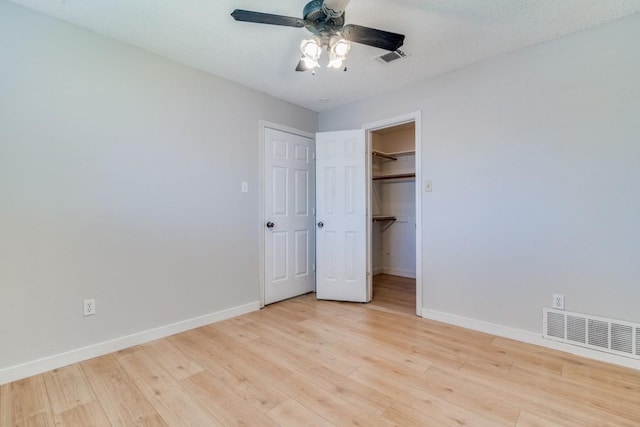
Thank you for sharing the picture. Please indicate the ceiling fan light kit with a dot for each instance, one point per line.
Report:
(337, 49)
(325, 20)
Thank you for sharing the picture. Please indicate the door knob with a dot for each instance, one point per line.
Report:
(270, 224)
(321, 224)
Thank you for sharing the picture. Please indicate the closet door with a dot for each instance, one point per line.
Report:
(341, 233)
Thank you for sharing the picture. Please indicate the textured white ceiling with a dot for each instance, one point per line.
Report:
(441, 35)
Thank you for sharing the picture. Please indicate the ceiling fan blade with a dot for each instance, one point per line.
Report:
(372, 37)
(267, 18)
(334, 8)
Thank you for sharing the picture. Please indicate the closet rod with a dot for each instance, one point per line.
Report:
(383, 218)
(383, 155)
(395, 176)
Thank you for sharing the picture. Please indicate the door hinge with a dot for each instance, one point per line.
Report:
(313, 211)
(313, 267)
(313, 156)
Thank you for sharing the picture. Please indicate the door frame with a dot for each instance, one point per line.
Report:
(263, 124)
(415, 117)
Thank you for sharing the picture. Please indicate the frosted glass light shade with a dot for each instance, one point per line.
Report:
(311, 49)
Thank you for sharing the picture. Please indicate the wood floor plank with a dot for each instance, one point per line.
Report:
(329, 376)
(625, 385)
(363, 397)
(238, 332)
(441, 412)
(375, 327)
(282, 349)
(360, 348)
(72, 399)
(88, 415)
(226, 344)
(326, 405)
(222, 401)
(290, 413)
(248, 381)
(26, 403)
(550, 407)
(527, 419)
(174, 361)
(309, 343)
(536, 399)
(122, 401)
(395, 387)
(67, 388)
(164, 393)
(454, 387)
(404, 415)
(425, 396)
(627, 406)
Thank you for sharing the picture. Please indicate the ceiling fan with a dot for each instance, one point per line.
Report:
(325, 20)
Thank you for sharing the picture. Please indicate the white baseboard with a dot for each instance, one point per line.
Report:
(24, 370)
(378, 270)
(528, 337)
(401, 273)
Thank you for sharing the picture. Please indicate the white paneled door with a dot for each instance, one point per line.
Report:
(341, 230)
(289, 210)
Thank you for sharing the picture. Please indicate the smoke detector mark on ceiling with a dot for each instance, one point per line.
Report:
(388, 57)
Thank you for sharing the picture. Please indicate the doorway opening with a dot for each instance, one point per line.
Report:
(394, 201)
(355, 194)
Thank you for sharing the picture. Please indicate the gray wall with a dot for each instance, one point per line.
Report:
(120, 180)
(535, 162)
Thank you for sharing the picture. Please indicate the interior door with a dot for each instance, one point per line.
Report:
(289, 210)
(341, 234)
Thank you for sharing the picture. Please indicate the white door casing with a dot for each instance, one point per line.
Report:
(289, 207)
(416, 118)
(341, 233)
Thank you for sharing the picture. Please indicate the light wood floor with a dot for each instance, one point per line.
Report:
(305, 362)
(393, 293)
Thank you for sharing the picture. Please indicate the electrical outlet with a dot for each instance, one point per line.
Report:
(90, 307)
(558, 302)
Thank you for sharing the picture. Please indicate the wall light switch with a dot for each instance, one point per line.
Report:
(244, 186)
(428, 186)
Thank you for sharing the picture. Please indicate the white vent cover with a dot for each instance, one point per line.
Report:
(388, 57)
(598, 333)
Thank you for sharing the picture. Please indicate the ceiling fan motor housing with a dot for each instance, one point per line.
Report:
(317, 20)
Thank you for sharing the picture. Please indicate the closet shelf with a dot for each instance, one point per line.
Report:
(394, 176)
(377, 218)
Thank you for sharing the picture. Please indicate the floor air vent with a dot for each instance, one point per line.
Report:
(391, 56)
(598, 333)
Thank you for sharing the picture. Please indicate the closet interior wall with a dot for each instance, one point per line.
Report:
(393, 240)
